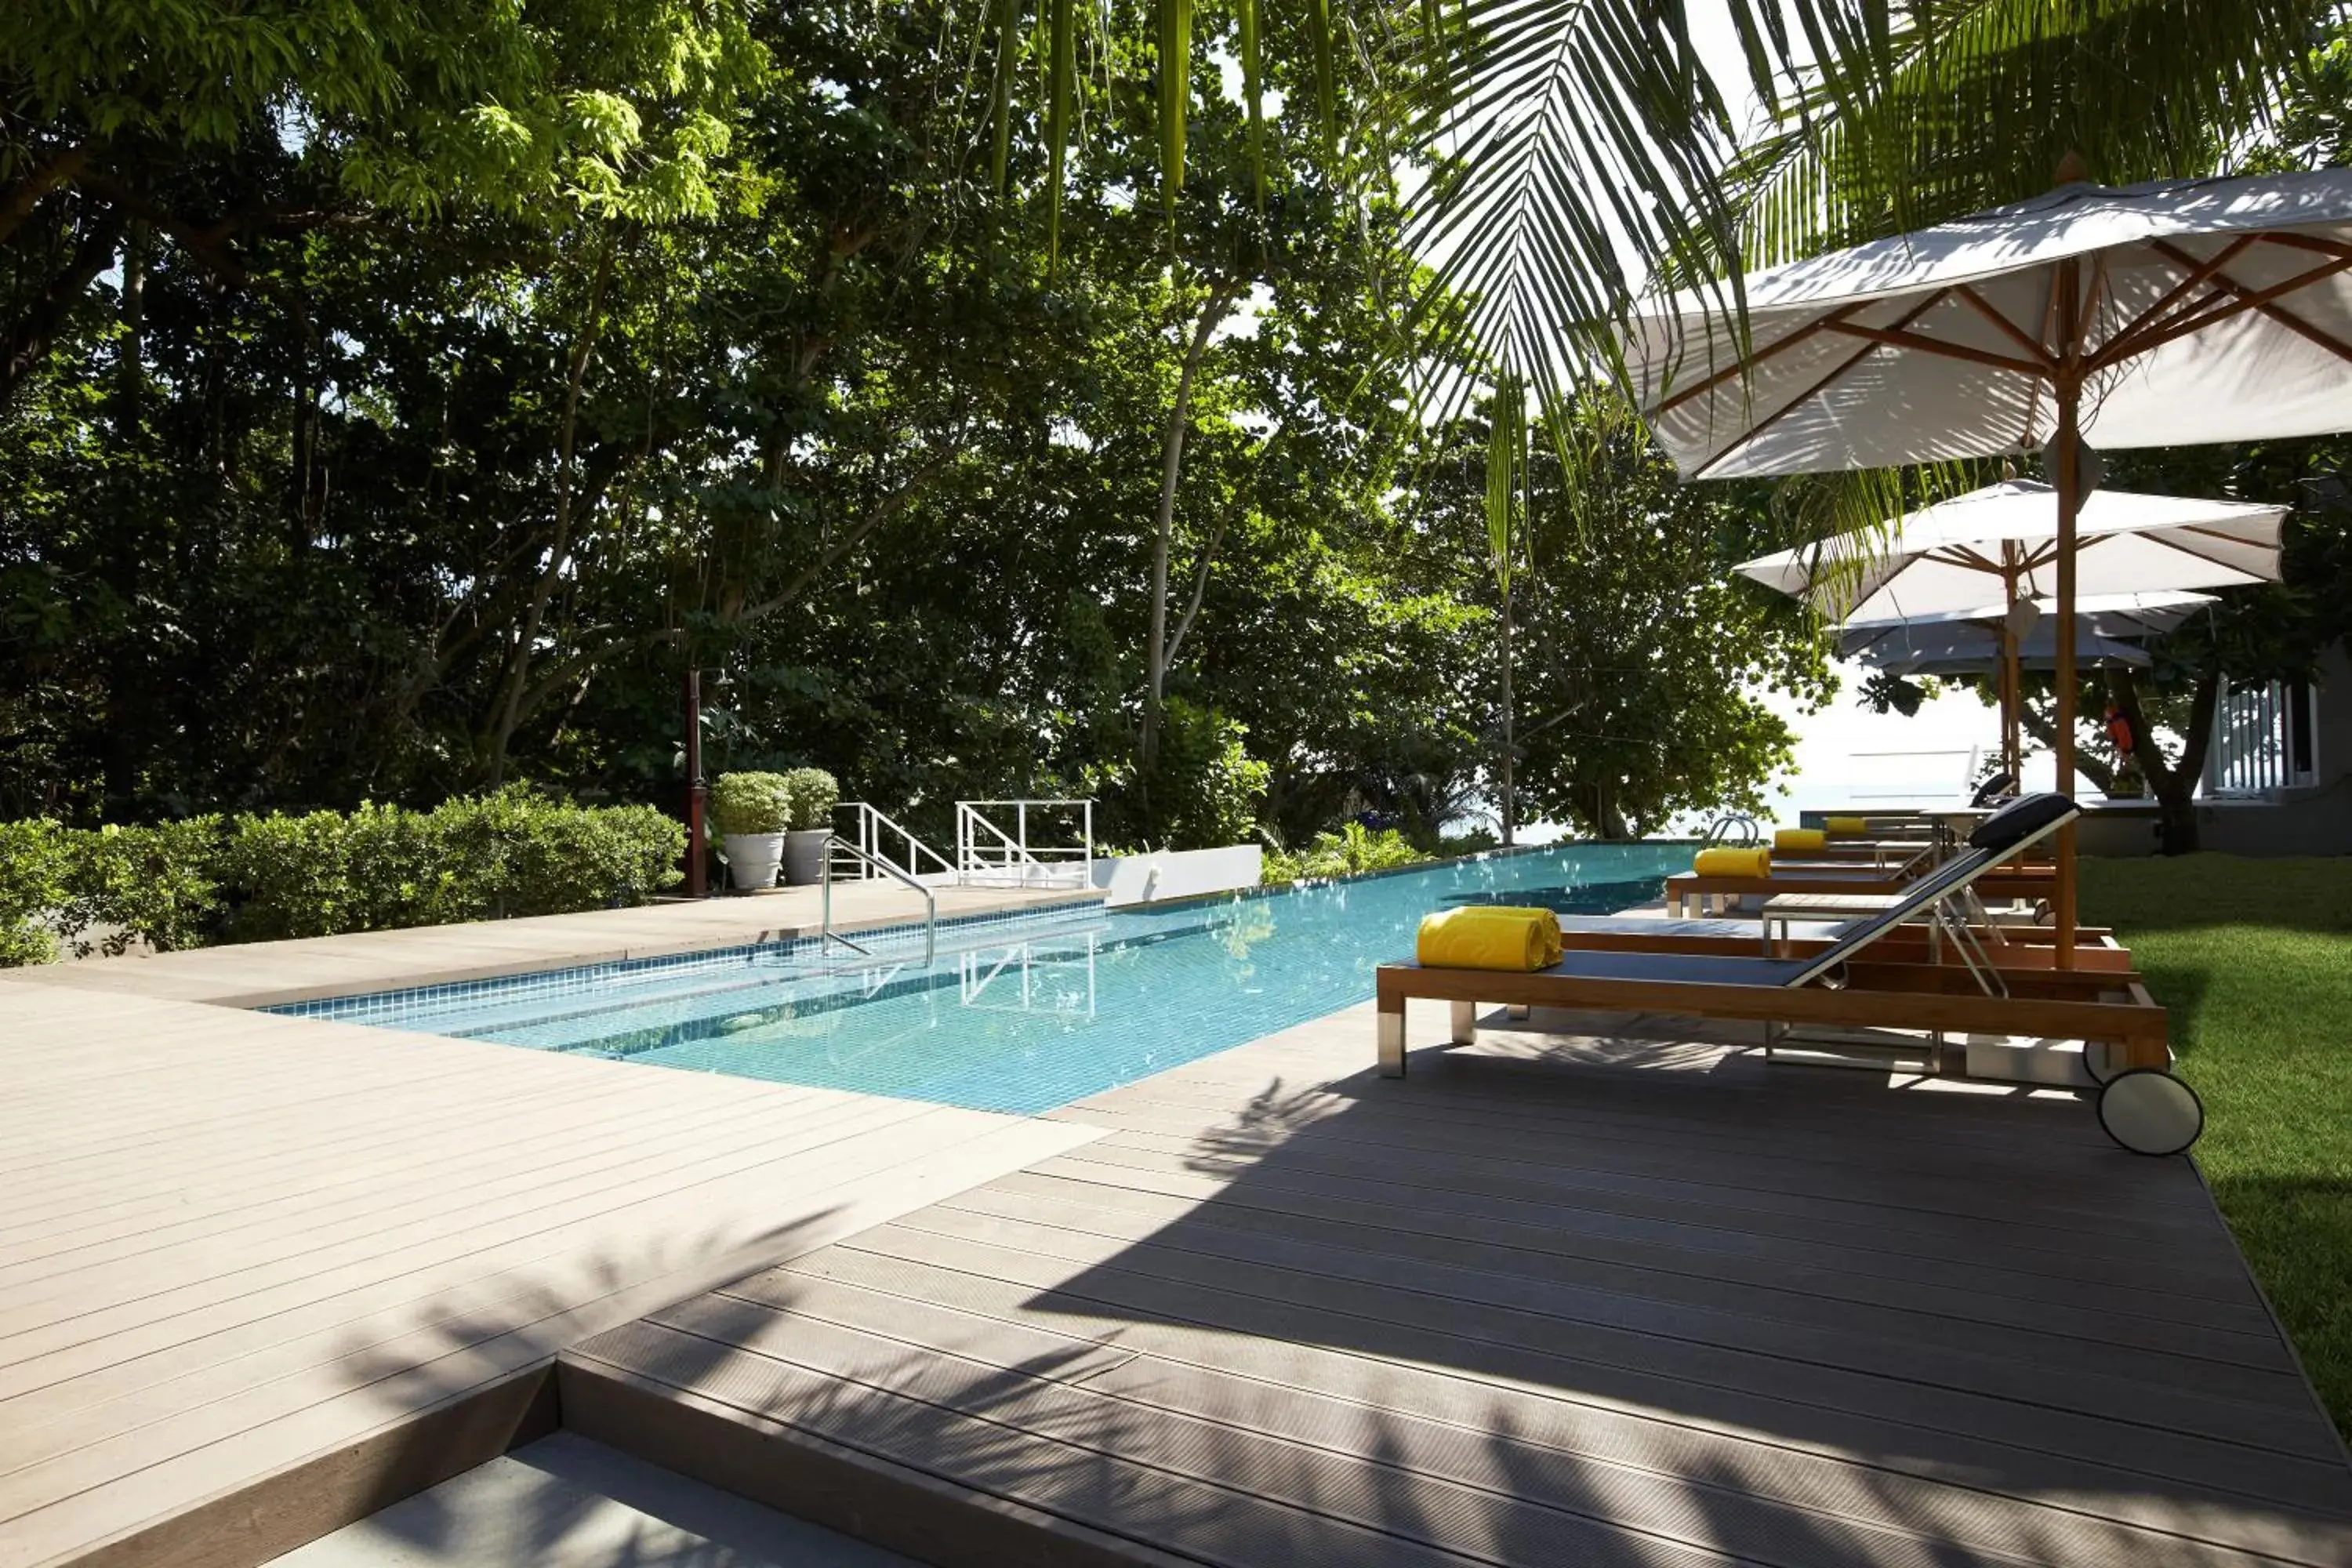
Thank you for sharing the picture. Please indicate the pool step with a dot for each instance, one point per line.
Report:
(871, 1463)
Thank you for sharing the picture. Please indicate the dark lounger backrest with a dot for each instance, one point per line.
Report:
(2001, 837)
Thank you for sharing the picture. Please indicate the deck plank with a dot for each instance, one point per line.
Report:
(1649, 1291)
(242, 1247)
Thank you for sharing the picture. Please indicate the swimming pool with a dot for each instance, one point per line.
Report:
(1018, 1014)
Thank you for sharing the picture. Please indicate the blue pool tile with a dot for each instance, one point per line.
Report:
(1020, 1013)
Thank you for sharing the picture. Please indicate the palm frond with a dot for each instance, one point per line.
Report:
(1175, 95)
(1575, 143)
(1252, 90)
(1507, 469)
(1971, 103)
(1061, 96)
(1008, 64)
(1323, 46)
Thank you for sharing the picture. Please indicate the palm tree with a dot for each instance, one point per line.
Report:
(1559, 154)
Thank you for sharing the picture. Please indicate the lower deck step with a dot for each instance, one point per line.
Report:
(566, 1502)
(640, 1391)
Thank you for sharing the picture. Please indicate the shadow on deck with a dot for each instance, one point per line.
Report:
(1554, 1298)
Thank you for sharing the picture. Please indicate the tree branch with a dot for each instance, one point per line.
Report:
(835, 549)
(21, 198)
(31, 336)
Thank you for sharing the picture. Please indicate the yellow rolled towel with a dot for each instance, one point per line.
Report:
(1547, 922)
(1517, 941)
(1848, 826)
(1723, 860)
(1796, 840)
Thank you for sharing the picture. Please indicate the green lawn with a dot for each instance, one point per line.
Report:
(2255, 960)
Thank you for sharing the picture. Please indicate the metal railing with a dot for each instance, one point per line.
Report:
(876, 839)
(2255, 729)
(987, 853)
(825, 920)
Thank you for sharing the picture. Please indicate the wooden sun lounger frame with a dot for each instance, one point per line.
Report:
(2054, 1003)
(2017, 947)
(1891, 980)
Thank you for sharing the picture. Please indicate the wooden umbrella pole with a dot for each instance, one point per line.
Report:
(2013, 677)
(2068, 446)
(2012, 696)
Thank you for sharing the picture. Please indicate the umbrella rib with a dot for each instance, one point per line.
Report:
(2017, 334)
(2248, 298)
(1930, 303)
(1974, 559)
(1895, 338)
(1881, 585)
(2209, 560)
(1699, 389)
(2306, 242)
(2196, 277)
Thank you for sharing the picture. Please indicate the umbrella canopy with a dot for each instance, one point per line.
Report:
(2195, 310)
(2000, 544)
(2175, 312)
(2127, 616)
(1972, 647)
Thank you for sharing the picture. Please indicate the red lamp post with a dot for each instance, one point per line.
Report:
(697, 792)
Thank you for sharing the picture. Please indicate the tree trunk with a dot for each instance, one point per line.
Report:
(2036, 722)
(130, 368)
(1160, 651)
(1608, 821)
(517, 674)
(1509, 806)
(2173, 783)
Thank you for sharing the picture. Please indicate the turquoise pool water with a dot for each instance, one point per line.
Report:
(1015, 1014)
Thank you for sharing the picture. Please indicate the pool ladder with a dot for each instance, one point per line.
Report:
(836, 843)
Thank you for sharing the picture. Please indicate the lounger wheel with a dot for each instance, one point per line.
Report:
(2149, 1111)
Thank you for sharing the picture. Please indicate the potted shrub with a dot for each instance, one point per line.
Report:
(750, 812)
(814, 795)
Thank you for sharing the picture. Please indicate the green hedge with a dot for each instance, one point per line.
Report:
(32, 882)
(252, 878)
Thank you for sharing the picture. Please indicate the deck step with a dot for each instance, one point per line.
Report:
(639, 1391)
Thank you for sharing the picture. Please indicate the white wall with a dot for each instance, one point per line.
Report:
(1179, 873)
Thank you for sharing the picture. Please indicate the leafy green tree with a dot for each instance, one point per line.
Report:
(1640, 653)
(138, 125)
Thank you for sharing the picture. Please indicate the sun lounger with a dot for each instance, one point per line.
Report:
(1689, 892)
(1868, 977)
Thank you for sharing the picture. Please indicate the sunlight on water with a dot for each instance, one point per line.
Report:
(1024, 1016)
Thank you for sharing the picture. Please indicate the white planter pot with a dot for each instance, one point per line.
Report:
(752, 858)
(804, 855)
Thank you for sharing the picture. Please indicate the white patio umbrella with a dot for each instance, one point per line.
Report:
(1999, 546)
(2169, 313)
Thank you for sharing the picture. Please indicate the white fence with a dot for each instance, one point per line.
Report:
(2262, 739)
(1025, 843)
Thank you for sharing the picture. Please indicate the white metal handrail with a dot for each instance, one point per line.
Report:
(881, 841)
(824, 906)
(987, 853)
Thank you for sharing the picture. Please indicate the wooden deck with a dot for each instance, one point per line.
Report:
(1550, 1300)
(258, 975)
(260, 1275)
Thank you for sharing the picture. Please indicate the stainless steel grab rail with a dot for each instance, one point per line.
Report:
(872, 862)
